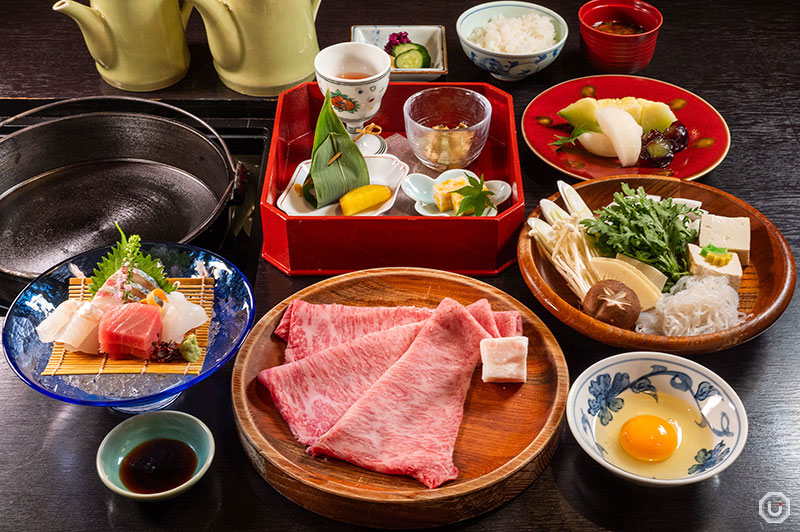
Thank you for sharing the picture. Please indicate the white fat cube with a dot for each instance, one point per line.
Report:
(505, 359)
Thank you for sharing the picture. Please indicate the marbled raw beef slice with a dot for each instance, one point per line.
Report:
(407, 422)
(312, 394)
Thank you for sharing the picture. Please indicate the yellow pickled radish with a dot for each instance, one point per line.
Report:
(364, 197)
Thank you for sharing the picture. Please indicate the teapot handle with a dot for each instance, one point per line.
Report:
(315, 7)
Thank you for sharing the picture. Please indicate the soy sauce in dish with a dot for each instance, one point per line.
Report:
(618, 27)
(157, 465)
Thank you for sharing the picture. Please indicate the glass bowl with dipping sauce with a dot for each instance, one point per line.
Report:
(656, 419)
(447, 127)
(619, 36)
(155, 456)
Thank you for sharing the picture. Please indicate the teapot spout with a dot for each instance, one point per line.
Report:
(94, 29)
(224, 39)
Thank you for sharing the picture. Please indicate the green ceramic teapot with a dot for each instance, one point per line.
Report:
(261, 47)
(137, 46)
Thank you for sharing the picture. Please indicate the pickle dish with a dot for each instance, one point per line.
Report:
(431, 37)
(420, 188)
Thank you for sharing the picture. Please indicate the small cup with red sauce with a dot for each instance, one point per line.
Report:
(155, 456)
(619, 36)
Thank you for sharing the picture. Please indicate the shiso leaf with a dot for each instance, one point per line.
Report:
(128, 250)
(326, 182)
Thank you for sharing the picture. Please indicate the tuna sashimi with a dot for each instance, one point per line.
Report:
(130, 329)
(407, 422)
(312, 394)
(309, 328)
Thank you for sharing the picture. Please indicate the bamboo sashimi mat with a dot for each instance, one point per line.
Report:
(63, 362)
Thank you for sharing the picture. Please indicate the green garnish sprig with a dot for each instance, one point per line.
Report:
(563, 141)
(654, 232)
(127, 253)
(475, 198)
(711, 248)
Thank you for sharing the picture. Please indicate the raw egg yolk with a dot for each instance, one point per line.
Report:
(648, 438)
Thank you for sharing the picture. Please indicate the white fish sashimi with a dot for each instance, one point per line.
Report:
(180, 316)
(623, 131)
(75, 324)
(57, 321)
(80, 334)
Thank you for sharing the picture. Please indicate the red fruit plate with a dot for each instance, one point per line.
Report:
(327, 245)
(709, 138)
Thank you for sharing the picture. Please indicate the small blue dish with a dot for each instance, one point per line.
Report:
(231, 319)
(145, 427)
(598, 395)
(419, 187)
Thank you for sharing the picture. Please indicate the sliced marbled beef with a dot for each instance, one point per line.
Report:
(407, 422)
(313, 328)
(312, 394)
(309, 328)
(509, 323)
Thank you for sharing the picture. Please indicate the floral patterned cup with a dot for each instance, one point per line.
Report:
(357, 74)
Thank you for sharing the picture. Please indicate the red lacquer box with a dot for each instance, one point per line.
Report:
(314, 245)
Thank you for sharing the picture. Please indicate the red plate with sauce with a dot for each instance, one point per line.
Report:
(709, 138)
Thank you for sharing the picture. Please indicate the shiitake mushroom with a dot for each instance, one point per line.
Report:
(613, 302)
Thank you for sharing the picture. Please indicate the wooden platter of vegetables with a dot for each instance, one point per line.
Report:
(649, 262)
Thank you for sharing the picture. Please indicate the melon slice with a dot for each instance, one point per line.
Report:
(623, 131)
(655, 115)
(647, 113)
(655, 276)
(646, 291)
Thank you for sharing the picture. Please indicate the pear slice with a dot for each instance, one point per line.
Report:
(606, 268)
(623, 131)
(597, 144)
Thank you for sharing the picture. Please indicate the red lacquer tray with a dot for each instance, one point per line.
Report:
(326, 245)
(709, 138)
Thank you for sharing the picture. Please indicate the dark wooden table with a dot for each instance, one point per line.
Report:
(742, 57)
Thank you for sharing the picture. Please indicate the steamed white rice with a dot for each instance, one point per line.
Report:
(519, 35)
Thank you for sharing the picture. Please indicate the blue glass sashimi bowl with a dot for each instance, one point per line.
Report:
(231, 320)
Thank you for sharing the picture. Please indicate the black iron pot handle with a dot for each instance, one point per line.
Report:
(178, 110)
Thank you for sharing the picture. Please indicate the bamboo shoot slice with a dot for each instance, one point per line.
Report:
(606, 268)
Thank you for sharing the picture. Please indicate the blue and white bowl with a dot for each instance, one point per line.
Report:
(595, 397)
(504, 66)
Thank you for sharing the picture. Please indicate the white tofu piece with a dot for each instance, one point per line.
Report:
(699, 266)
(505, 359)
(724, 232)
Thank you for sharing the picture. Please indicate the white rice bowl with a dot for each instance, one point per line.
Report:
(517, 35)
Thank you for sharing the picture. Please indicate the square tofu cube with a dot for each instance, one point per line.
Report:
(699, 266)
(442, 192)
(725, 232)
(505, 359)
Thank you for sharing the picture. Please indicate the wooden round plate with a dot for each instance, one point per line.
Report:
(766, 287)
(508, 433)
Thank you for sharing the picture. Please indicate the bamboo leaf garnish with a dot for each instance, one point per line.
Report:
(337, 165)
(563, 141)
